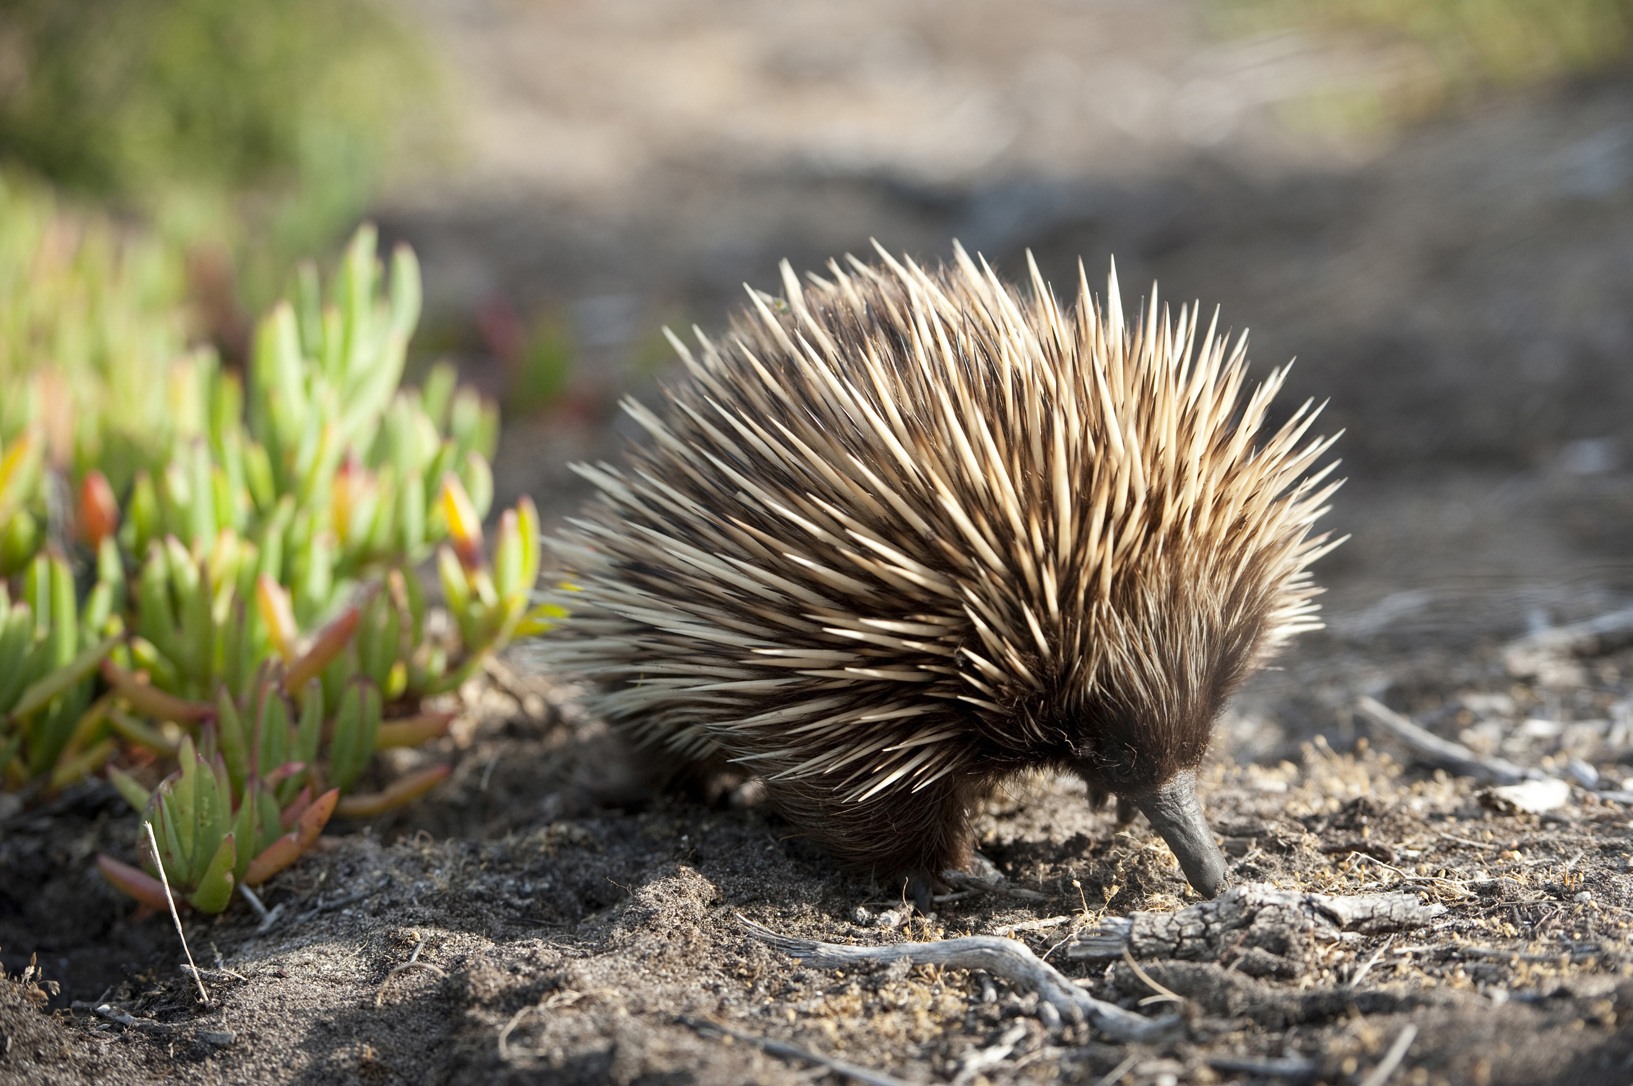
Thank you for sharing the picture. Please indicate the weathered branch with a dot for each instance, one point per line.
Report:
(1004, 958)
(1199, 932)
(1444, 754)
(1545, 654)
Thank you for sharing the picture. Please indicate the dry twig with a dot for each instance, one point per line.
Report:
(1444, 754)
(1546, 653)
(1392, 1059)
(1160, 994)
(1004, 958)
(130, 1021)
(1000, 887)
(1360, 974)
(1115, 1075)
(1288, 1068)
(413, 962)
(1199, 931)
(986, 1058)
(1034, 925)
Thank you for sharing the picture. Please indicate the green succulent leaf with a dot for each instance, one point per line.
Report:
(215, 882)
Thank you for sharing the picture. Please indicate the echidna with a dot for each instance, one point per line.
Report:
(905, 534)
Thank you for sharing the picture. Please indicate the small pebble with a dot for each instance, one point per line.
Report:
(219, 1038)
(1584, 897)
(1532, 797)
(1582, 773)
(890, 918)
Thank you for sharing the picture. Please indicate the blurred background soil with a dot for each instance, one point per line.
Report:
(1443, 239)
(1456, 286)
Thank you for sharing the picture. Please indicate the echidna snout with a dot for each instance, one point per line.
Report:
(1174, 812)
(905, 534)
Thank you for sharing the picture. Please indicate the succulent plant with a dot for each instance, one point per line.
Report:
(93, 341)
(234, 612)
(217, 831)
(50, 645)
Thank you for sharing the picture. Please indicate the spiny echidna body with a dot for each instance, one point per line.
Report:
(905, 533)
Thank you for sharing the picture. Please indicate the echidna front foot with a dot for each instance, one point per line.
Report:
(920, 888)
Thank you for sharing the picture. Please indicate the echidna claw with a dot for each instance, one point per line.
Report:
(920, 890)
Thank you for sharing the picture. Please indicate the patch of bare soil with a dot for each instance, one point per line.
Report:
(591, 945)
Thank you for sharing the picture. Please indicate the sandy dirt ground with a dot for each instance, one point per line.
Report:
(1459, 289)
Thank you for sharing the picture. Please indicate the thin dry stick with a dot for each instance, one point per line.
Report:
(986, 1058)
(1435, 751)
(1163, 995)
(1115, 1075)
(254, 901)
(1004, 958)
(1392, 1059)
(1361, 973)
(1467, 841)
(1603, 634)
(1033, 925)
(175, 916)
(504, 1034)
(1291, 1068)
(961, 880)
(854, 1072)
(413, 962)
(114, 1014)
(1460, 885)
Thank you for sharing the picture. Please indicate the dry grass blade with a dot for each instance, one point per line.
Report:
(1360, 974)
(1115, 1075)
(1160, 993)
(175, 916)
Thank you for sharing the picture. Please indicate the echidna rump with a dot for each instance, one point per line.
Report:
(904, 534)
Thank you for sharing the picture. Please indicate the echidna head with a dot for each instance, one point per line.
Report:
(1133, 713)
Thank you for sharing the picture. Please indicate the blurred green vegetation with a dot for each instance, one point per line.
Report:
(260, 125)
(1465, 47)
(92, 329)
